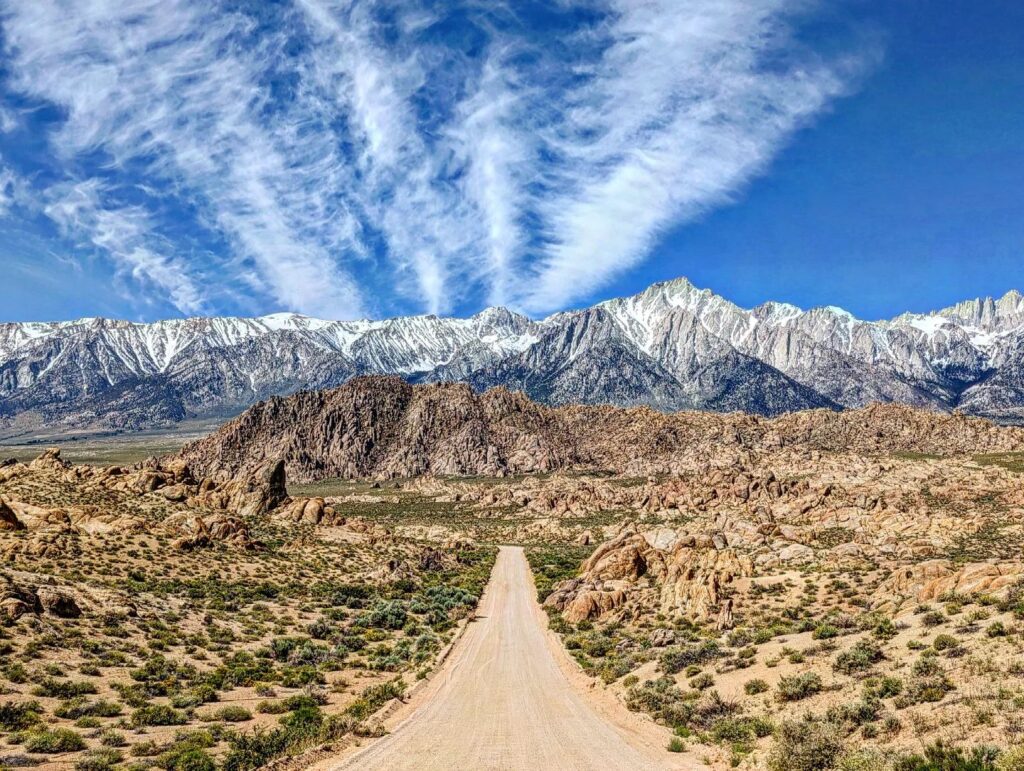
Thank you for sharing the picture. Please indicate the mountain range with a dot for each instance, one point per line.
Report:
(672, 347)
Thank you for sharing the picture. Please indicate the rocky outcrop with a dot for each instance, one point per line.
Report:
(17, 599)
(383, 427)
(682, 573)
(8, 519)
(309, 511)
(202, 532)
(932, 579)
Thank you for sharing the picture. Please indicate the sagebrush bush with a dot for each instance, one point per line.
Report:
(805, 745)
(797, 687)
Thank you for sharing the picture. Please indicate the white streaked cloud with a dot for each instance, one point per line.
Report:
(180, 93)
(688, 102)
(342, 157)
(124, 233)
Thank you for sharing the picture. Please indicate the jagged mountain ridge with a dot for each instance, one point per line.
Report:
(671, 347)
(384, 427)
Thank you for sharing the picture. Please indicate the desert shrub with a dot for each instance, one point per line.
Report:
(233, 713)
(825, 631)
(82, 707)
(702, 681)
(926, 665)
(945, 642)
(676, 659)
(385, 614)
(855, 713)
(883, 688)
(16, 672)
(866, 759)
(755, 686)
(157, 715)
(375, 697)
(797, 687)
(303, 728)
(112, 738)
(188, 753)
(99, 760)
(927, 689)
(710, 709)
(63, 689)
(661, 699)
(195, 696)
(805, 745)
(859, 658)
(996, 629)
(941, 757)
(271, 707)
(1012, 759)
(54, 741)
(18, 717)
(739, 731)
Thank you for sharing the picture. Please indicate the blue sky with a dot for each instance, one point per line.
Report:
(163, 158)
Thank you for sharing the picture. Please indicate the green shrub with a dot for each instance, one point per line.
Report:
(940, 757)
(859, 658)
(375, 697)
(271, 707)
(233, 713)
(825, 631)
(63, 689)
(112, 738)
(54, 741)
(883, 688)
(805, 745)
(797, 687)
(945, 642)
(99, 760)
(18, 717)
(676, 659)
(996, 629)
(157, 715)
(702, 681)
(755, 686)
(82, 707)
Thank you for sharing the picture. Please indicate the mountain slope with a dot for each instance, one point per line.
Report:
(671, 346)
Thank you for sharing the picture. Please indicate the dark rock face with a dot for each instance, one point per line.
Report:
(670, 347)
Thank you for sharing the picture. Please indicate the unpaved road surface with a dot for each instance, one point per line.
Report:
(505, 700)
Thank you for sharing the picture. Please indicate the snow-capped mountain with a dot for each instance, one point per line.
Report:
(672, 346)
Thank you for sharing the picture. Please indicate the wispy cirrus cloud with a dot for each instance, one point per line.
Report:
(180, 95)
(126, 234)
(348, 156)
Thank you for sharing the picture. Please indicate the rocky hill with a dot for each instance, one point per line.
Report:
(381, 426)
(670, 347)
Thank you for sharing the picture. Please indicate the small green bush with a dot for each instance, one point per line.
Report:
(54, 741)
(157, 715)
(859, 658)
(755, 686)
(797, 687)
(805, 745)
(233, 713)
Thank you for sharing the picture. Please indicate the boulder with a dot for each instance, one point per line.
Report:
(8, 519)
(57, 602)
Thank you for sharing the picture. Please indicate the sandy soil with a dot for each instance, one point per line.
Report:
(505, 700)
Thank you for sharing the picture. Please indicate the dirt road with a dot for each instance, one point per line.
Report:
(507, 699)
